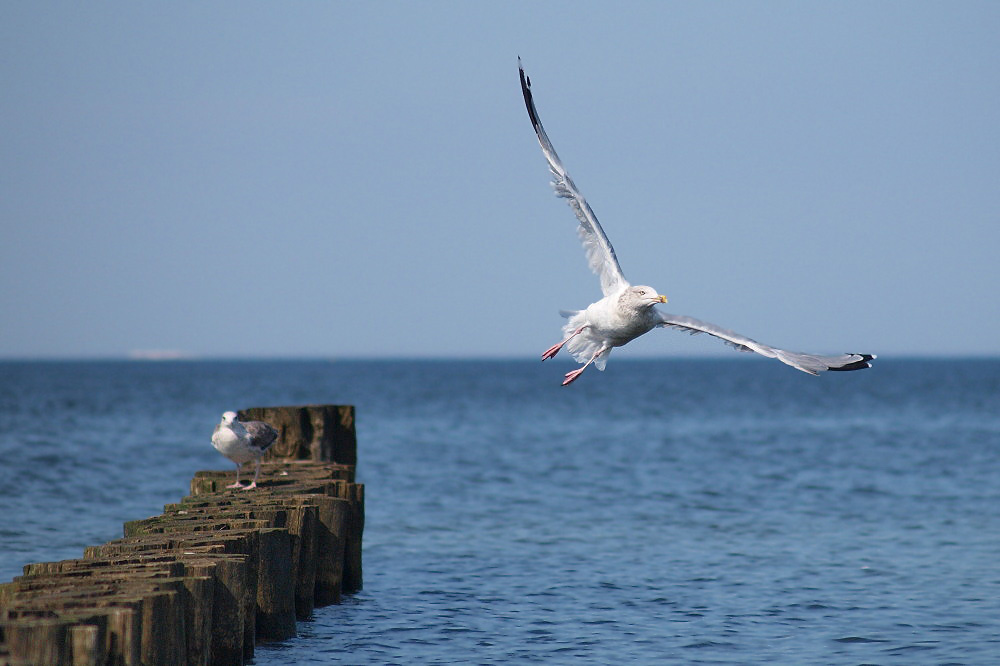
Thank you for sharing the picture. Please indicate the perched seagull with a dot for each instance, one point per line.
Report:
(627, 311)
(243, 442)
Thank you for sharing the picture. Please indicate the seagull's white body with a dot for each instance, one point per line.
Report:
(627, 311)
(613, 321)
(243, 442)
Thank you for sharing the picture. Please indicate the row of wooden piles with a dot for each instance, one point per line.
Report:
(212, 575)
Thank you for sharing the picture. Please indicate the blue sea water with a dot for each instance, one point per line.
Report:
(662, 512)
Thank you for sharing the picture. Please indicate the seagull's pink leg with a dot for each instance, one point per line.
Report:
(554, 349)
(571, 376)
(256, 474)
(237, 484)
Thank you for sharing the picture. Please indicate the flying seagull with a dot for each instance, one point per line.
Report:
(628, 311)
(242, 442)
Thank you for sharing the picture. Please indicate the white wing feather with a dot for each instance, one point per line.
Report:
(811, 363)
(600, 254)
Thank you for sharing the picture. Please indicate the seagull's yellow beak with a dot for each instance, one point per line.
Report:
(662, 299)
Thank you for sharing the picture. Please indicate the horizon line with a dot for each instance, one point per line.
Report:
(327, 358)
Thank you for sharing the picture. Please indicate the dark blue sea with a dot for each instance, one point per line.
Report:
(662, 512)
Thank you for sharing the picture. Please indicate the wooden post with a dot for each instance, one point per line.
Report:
(275, 594)
(223, 568)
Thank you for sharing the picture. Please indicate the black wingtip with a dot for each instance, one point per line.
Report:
(861, 364)
(526, 91)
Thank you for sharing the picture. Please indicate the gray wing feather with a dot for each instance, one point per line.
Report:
(811, 363)
(600, 255)
(262, 435)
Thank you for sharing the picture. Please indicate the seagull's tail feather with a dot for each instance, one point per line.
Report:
(582, 347)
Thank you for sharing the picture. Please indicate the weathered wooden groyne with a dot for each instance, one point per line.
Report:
(214, 573)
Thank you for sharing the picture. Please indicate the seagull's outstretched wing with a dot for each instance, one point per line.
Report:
(600, 254)
(811, 363)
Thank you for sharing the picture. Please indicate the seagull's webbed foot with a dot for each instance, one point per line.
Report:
(256, 475)
(236, 484)
(571, 376)
(554, 349)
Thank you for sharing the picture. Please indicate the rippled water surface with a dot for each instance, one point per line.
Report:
(688, 512)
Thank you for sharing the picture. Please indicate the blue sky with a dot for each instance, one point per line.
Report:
(361, 179)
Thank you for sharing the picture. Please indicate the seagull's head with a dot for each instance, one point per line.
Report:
(645, 297)
(228, 418)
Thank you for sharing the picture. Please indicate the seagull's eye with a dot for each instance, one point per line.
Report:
(642, 292)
